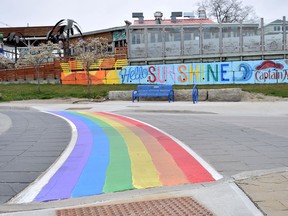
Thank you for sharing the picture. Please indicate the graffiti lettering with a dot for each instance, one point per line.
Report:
(285, 75)
(269, 75)
(183, 76)
(133, 73)
(223, 72)
(212, 72)
(161, 74)
(190, 73)
(189, 76)
(152, 78)
(172, 74)
(194, 74)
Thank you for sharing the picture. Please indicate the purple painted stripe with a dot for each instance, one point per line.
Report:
(63, 182)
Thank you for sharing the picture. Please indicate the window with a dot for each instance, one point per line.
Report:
(137, 37)
(155, 35)
(177, 37)
(152, 38)
(172, 34)
(191, 33)
(187, 36)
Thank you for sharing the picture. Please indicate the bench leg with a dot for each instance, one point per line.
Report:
(171, 98)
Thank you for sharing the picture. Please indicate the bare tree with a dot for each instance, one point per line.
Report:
(229, 11)
(37, 56)
(90, 51)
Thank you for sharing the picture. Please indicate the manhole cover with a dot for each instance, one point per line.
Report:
(173, 206)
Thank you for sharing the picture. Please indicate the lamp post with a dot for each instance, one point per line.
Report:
(15, 39)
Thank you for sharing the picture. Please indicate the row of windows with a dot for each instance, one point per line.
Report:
(279, 28)
(138, 36)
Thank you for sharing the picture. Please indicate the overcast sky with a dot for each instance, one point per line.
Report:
(92, 15)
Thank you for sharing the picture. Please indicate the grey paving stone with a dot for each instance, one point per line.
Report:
(6, 189)
(10, 153)
(4, 199)
(18, 147)
(41, 153)
(15, 166)
(18, 187)
(230, 144)
(4, 158)
(17, 177)
(36, 159)
(28, 148)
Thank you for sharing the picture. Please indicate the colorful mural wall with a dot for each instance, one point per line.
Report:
(238, 72)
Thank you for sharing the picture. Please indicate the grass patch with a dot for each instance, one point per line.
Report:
(12, 92)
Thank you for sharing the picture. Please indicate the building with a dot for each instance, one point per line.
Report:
(185, 38)
(27, 36)
(32, 36)
(275, 27)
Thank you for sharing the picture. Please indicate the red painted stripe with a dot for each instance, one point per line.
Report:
(169, 172)
(192, 169)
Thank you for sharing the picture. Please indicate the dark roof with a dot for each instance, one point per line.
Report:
(33, 31)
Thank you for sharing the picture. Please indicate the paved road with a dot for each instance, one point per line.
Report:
(232, 137)
(29, 143)
(231, 144)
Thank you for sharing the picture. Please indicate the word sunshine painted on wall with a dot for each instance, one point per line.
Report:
(207, 73)
(186, 74)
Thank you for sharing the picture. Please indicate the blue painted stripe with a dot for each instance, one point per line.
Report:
(93, 177)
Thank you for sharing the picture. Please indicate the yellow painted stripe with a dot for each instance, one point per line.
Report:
(169, 172)
(144, 173)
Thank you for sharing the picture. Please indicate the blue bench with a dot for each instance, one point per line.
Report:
(153, 91)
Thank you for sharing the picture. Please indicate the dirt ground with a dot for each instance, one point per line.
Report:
(246, 96)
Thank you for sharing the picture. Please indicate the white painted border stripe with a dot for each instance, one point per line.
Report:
(29, 193)
(207, 166)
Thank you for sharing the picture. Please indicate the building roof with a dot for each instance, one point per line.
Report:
(276, 22)
(178, 22)
(118, 28)
(33, 31)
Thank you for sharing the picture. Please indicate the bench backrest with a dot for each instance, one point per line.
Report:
(143, 87)
(153, 91)
(154, 88)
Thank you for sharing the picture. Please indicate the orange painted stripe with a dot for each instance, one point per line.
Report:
(192, 169)
(169, 172)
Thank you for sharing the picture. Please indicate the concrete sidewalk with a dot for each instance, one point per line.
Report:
(256, 183)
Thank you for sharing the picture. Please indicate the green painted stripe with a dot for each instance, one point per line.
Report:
(118, 175)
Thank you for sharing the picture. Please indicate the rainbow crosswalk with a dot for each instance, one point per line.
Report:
(115, 153)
